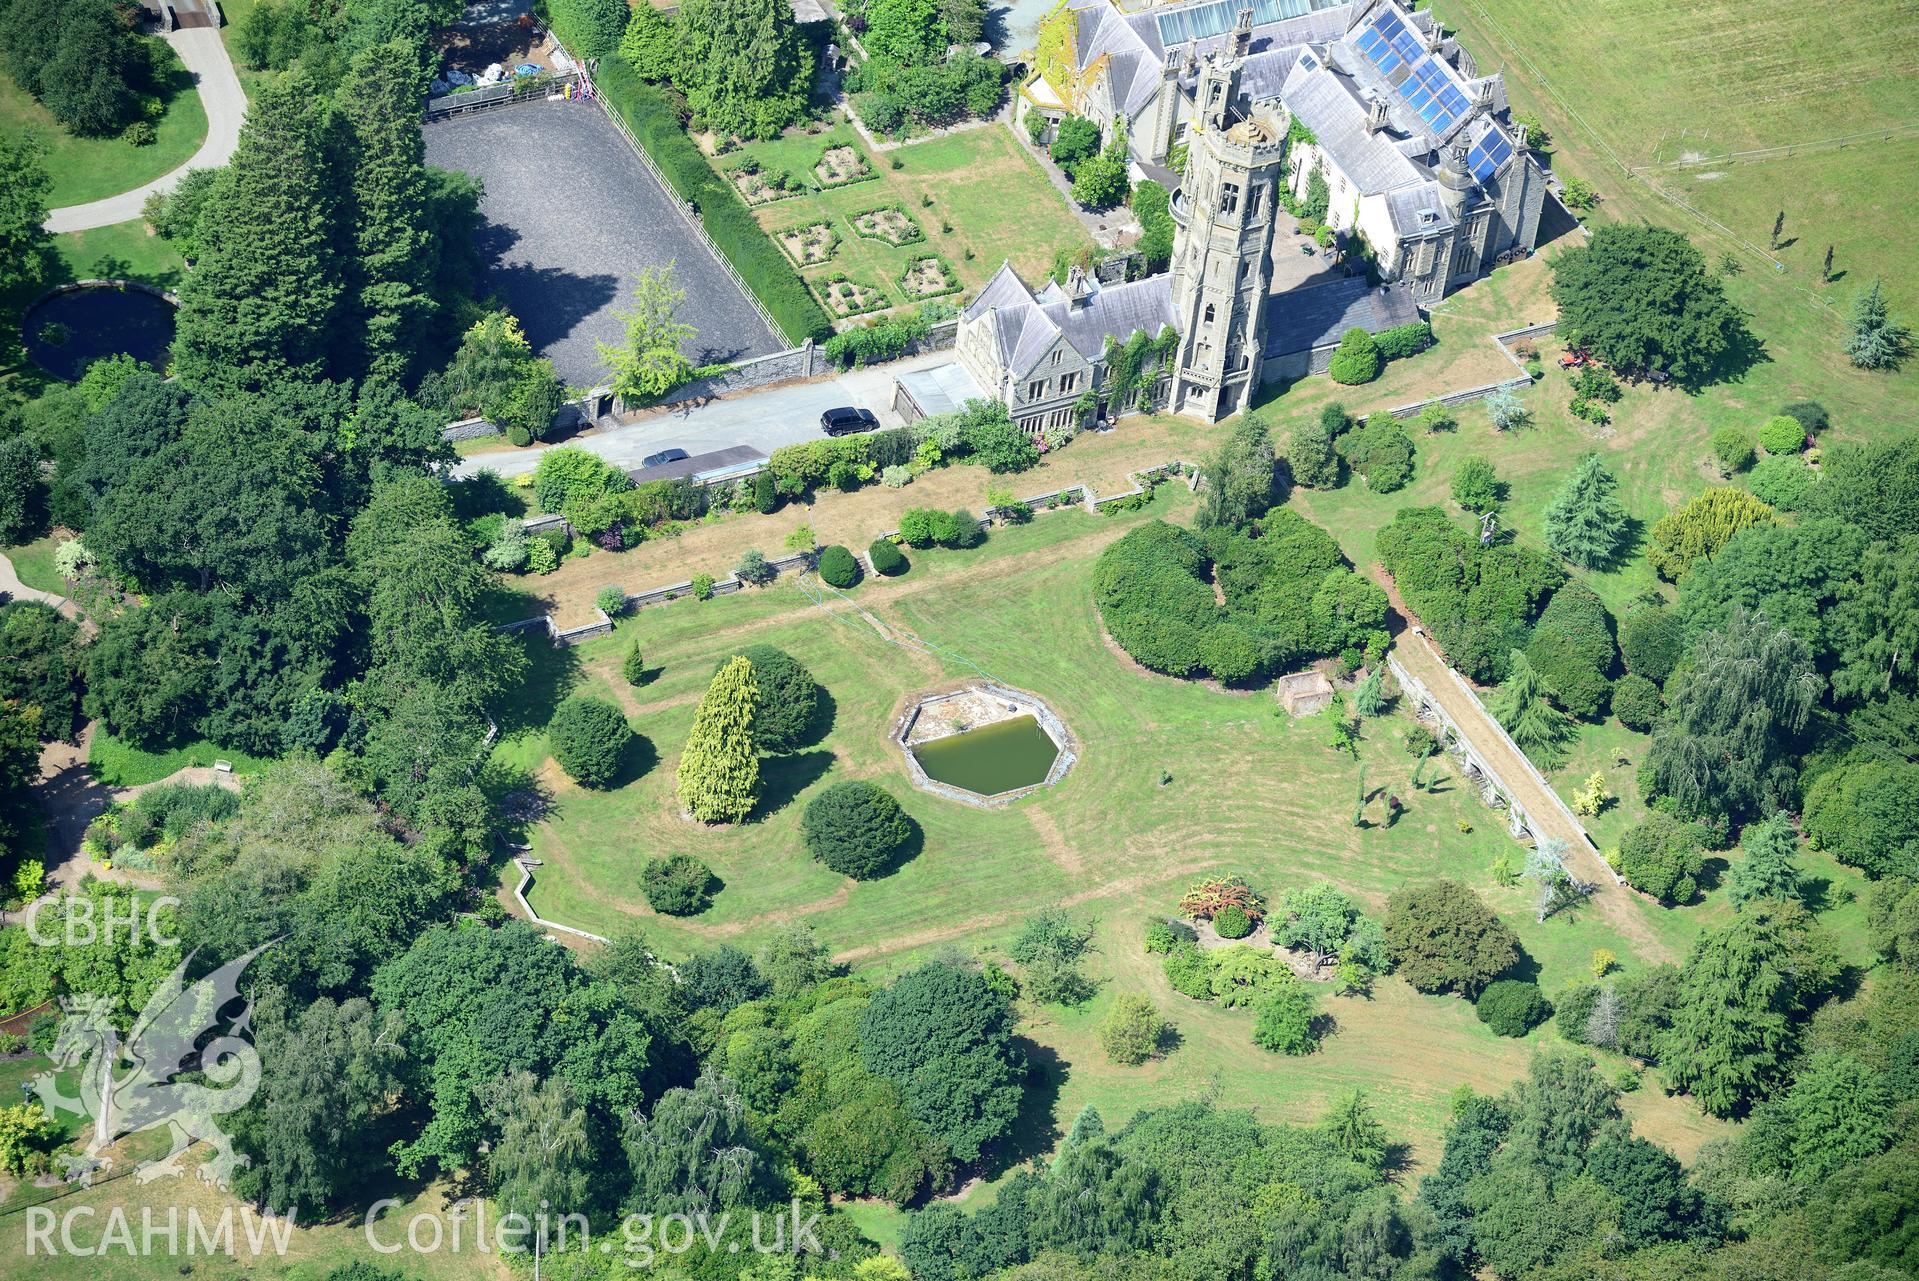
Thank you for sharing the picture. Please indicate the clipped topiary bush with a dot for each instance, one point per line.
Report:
(837, 566)
(856, 828)
(1357, 358)
(1636, 702)
(1782, 434)
(1512, 1007)
(677, 886)
(589, 737)
(888, 560)
(1231, 922)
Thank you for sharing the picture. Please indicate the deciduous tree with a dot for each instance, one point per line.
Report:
(649, 362)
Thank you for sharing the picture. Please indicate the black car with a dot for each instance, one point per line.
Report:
(662, 458)
(846, 421)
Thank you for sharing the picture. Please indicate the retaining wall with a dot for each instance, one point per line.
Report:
(1471, 394)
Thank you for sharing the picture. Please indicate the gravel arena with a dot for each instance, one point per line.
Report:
(571, 217)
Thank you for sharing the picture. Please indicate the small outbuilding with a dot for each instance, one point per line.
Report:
(1304, 693)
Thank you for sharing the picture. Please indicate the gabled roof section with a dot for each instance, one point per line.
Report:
(1114, 311)
(1028, 325)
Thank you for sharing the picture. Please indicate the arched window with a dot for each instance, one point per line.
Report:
(1209, 313)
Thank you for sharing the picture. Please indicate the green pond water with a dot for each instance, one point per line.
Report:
(991, 759)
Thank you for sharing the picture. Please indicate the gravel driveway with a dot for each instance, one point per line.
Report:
(572, 216)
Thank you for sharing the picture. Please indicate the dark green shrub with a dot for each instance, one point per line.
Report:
(1811, 415)
(1511, 1007)
(1476, 601)
(1662, 856)
(1231, 922)
(1189, 970)
(1380, 451)
(856, 828)
(1780, 481)
(1573, 1011)
(1636, 702)
(590, 737)
(655, 122)
(633, 666)
(766, 495)
(1159, 937)
(1402, 341)
(837, 566)
(887, 559)
(961, 530)
(677, 886)
(1865, 811)
(788, 698)
(1572, 648)
(1651, 641)
(1357, 358)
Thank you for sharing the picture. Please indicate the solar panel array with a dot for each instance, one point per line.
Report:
(1204, 21)
(1423, 81)
(1489, 154)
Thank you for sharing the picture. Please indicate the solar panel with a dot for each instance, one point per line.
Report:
(1424, 82)
(1489, 154)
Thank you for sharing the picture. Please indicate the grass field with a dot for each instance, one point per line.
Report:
(1250, 791)
(33, 562)
(118, 763)
(999, 205)
(85, 169)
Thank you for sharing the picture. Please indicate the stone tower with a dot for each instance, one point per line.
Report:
(1222, 250)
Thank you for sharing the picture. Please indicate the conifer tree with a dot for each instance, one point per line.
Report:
(1585, 523)
(1733, 1025)
(1539, 728)
(24, 184)
(262, 303)
(719, 774)
(1877, 341)
(1767, 871)
(394, 254)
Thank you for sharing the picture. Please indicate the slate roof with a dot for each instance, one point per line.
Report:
(1302, 319)
(1026, 325)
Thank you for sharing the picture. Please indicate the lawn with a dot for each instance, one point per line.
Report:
(118, 763)
(85, 169)
(33, 562)
(1249, 791)
(997, 204)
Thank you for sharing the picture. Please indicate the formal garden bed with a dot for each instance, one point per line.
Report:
(811, 245)
(931, 277)
(888, 223)
(846, 297)
(759, 186)
(841, 165)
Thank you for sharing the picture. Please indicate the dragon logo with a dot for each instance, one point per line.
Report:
(130, 1087)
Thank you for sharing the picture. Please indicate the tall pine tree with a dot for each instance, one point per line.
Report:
(263, 302)
(1767, 870)
(1539, 728)
(393, 254)
(1585, 523)
(1877, 342)
(719, 774)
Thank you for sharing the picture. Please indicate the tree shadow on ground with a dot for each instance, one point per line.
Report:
(909, 849)
(551, 673)
(826, 710)
(782, 778)
(636, 762)
(1036, 1130)
(1746, 352)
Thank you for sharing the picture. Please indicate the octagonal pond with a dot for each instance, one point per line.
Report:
(1002, 757)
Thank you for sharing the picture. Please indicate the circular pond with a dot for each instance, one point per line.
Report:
(69, 330)
(984, 744)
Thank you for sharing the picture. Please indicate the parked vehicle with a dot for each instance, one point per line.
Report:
(847, 420)
(662, 458)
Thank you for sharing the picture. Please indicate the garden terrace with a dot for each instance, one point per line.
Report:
(1115, 839)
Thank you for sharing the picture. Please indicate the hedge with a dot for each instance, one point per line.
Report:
(725, 216)
(1402, 341)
